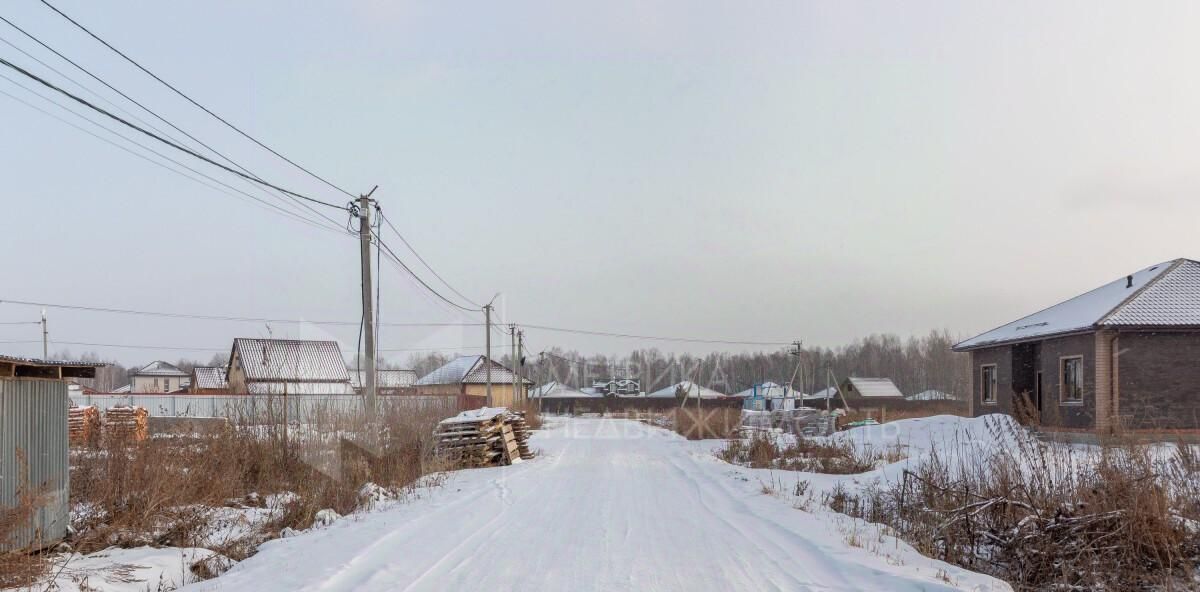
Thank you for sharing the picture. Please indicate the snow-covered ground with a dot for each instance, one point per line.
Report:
(609, 505)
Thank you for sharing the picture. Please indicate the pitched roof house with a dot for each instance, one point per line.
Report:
(691, 389)
(467, 375)
(1124, 355)
(158, 377)
(276, 366)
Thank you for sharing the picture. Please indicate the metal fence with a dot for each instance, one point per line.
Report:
(298, 408)
(34, 473)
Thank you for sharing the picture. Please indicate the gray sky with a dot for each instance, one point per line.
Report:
(766, 172)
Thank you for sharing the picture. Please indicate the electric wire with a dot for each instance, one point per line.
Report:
(157, 137)
(193, 101)
(425, 263)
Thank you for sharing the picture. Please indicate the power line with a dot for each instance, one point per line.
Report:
(204, 317)
(223, 349)
(396, 259)
(21, 323)
(655, 338)
(192, 101)
(425, 263)
(139, 104)
(159, 138)
(228, 188)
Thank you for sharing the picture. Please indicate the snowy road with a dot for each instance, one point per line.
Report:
(609, 505)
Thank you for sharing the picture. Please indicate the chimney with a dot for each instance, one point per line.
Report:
(1128, 281)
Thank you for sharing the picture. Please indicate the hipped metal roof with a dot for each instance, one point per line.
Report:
(160, 368)
(468, 370)
(1166, 295)
(208, 377)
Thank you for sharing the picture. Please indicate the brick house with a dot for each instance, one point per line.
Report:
(1125, 355)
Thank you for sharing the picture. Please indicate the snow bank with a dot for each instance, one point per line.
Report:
(130, 570)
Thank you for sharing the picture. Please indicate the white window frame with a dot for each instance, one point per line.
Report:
(983, 386)
(1062, 381)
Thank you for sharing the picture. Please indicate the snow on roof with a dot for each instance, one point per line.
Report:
(291, 360)
(1171, 300)
(208, 377)
(769, 390)
(1166, 294)
(160, 368)
(932, 395)
(473, 415)
(825, 393)
(122, 389)
(692, 389)
(469, 370)
(556, 390)
(875, 387)
(385, 378)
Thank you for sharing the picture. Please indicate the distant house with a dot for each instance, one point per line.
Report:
(295, 367)
(618, 387)
(158, 377)
(769, 396)
(686, 388)
(209, 380)
(1125, 355)
(557, 390)
(467, 375)
(387, 382)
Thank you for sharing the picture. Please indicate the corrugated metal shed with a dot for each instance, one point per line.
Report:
(292, 360)
(34, 467)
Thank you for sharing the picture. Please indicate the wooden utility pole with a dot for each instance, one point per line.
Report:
(520, 364)
(487, 367)
(368, 303)
(45, 337)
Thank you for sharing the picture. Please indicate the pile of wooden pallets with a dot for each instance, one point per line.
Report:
(126, 423)
(83, 425)
(486, 437)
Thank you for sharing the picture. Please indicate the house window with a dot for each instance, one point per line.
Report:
(156, 385)
(1071, 385)
(987, 382)
(166, 385)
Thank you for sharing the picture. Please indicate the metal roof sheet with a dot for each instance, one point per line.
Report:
(300, 388)
(875, 387)
(1080, 313)
(41, 362)
(160, 368)
(208, 377)
(1171, 300)
(385, 378)
(291, 359)
(692, 389)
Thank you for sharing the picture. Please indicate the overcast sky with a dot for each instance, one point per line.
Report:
(750, 171)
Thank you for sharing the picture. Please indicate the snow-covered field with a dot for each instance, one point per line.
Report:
(609, 505)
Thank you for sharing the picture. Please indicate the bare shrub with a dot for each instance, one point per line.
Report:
(1047, 516)
(764, 450)
(706, 422)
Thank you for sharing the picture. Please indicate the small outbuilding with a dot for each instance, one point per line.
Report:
(295, 367)
(34, 467)
(209, 380)
(468, 376)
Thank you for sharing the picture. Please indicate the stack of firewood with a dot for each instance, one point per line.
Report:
(487, 437)
(83, 425)
(126, 423)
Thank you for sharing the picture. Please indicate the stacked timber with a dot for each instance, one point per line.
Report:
(487, 437)
(83, 425)
(126, 423)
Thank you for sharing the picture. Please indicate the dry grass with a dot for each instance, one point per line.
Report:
(168, 491)
(706, 423)
(1050, 517)
(912, 411)
(764, 450)
(21, 569)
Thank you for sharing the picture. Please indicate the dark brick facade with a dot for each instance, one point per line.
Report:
(1158, 379)
(1016, 371)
